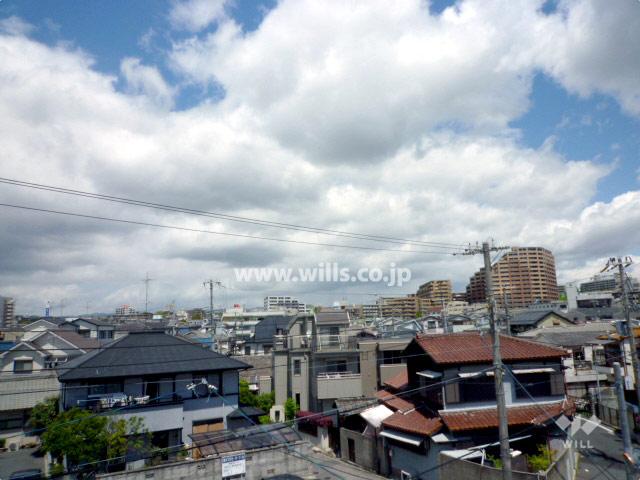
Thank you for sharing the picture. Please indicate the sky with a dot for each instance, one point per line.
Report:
(435, 121)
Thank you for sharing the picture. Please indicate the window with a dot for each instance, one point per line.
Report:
(392, 357)
(533, 385)
(298, 400)
(296, 367)
(23, 366)
(477, 389)
(336, 366)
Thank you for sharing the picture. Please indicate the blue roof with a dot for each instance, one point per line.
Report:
(4, 346)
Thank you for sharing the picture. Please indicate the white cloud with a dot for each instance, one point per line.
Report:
(328, 120)
(592, 46)
(15, 26)
(148, 81)
(195, 15)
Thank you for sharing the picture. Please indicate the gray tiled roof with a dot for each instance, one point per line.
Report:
(146, 353)
(533, 317)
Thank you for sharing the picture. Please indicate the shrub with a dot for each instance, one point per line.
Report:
(543, 460)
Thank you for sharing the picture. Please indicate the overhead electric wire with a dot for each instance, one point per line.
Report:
(234, 218)
(213, 232)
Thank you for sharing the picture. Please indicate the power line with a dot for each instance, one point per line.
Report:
(234, 218)
(213, 232)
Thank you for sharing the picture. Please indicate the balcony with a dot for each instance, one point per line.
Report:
(110, 401)
(339, 385)
(338, 342)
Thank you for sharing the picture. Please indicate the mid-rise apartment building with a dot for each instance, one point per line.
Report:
(8, 312)
(402, 307)
(523, 276)
(278, 303)
(435, 293)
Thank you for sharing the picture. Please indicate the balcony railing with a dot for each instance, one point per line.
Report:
(110, 401)
(339, 385)
(335, 342)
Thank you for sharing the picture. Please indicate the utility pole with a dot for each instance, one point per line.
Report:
(503, 424)
(621, 265)
(445, 320)
(624, 423)
(211, 283)
(507, 318)
(146, 281)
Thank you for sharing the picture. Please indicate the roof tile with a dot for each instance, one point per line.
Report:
(413, 422)
(475, 347)
(399, 381)
(488, 417)
(393, 401)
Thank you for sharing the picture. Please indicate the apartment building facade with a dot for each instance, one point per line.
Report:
(436, 293)
(8, 318)
(523, 276)
(407, 307)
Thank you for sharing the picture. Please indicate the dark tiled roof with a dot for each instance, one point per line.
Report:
(341, 316)
(146, 353)
(532, 317)
(79, 341)
(248, 412)
(414, 422)
(517, 416)
(394, 402)
(474, 347)
(251, 438)
(399, 381)
(94, 321)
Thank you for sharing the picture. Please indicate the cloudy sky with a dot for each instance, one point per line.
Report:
(438, 121)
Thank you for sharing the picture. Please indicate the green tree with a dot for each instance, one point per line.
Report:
(43, 414)
(265, 401)
(84, 438)
(290, 409)
(246, 397)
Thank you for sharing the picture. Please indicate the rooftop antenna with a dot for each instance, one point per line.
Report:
(146, 281)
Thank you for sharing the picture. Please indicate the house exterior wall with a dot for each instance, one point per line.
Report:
(22, 353)
(405, 460)
(365, 448)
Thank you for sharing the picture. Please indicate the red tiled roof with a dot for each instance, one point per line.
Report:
(413, 422)
(474, 347)
(488, 417)
(399, 381)
(394, 402)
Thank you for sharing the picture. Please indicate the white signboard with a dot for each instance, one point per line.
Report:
(233, 465)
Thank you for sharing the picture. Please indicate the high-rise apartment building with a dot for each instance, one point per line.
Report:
(435, 293)
(8, 312)
(525, 275)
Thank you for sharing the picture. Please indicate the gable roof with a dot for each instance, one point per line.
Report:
(394, 402)
(415, 422)
(93, 321)
(398, 381)
(476, 347)
(488, 417)
(533, 317)
(146, 353)
(83, 343)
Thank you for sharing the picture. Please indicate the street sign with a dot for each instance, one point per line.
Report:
(233, 465)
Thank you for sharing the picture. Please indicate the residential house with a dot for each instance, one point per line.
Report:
(28, 374)
(583, 371)
(176, 386)
(450, 404)
(93, 328)
(533, 318)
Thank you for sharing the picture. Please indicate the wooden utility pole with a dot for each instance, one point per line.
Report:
(503, 424)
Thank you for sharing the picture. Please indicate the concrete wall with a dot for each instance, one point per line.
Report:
(260, 464)
(369, 368)
(365, 448)
(451, 468)
(280, 377)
